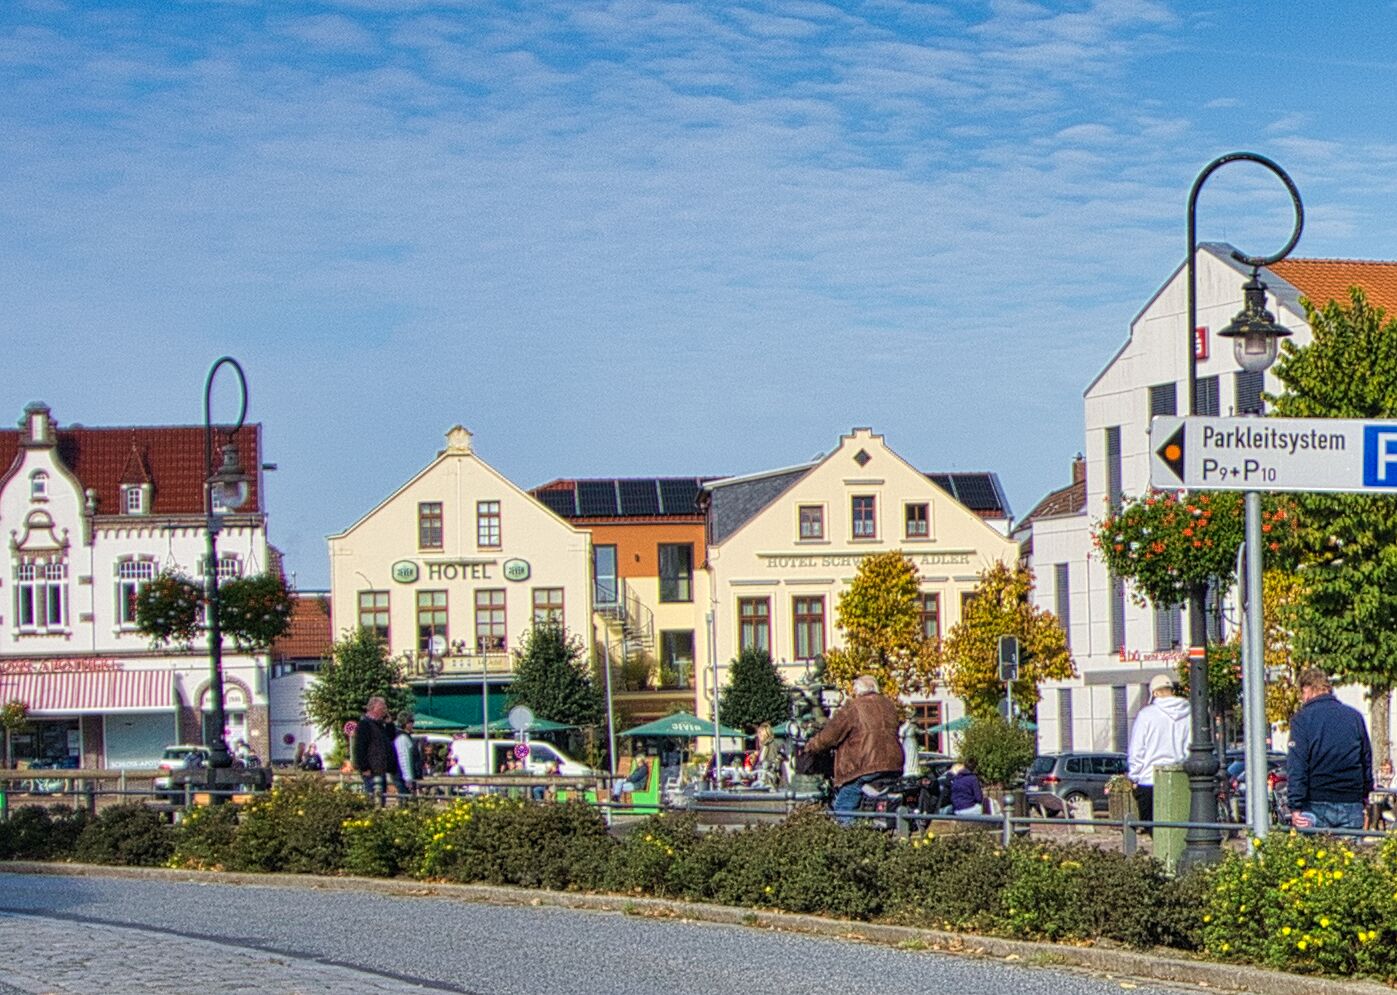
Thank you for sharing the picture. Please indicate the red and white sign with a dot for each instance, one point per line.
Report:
(1200, 342)
(521, 751)
(350, 726)
(61, 665)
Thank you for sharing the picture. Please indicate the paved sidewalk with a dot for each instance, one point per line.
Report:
(67, 958)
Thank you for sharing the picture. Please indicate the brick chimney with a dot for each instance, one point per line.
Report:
(1079, 469)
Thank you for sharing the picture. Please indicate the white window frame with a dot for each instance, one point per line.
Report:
(131, 573)
(133, 499)
(41, 595)
(39, 485)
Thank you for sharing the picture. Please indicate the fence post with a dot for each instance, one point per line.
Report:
(89, 796)
(1129, 839)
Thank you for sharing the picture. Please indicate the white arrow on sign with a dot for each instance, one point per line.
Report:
(1273, 454)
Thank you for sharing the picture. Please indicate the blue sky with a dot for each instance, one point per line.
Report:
(644, 238)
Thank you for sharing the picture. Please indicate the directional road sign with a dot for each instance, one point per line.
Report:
(1273, 454)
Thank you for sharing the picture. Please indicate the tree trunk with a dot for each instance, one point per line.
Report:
(1379, 710)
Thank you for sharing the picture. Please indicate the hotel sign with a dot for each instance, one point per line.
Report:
(410, 571)
(800, 561)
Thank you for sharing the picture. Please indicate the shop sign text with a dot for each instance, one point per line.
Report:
(794, 561)
(62, 665)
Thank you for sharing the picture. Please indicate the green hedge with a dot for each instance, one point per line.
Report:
(1304, 904)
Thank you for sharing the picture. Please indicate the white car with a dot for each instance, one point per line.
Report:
(178, 757)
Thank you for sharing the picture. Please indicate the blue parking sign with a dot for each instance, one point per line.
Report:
(1379, 456)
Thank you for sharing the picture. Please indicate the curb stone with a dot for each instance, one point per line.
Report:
(1113, 962)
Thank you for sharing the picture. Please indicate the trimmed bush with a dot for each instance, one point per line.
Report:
(499, 840)
(1307, 904)
(652, 858)
(951, 882)
(297, 827)
(203, 838)
(132, 835)
(36, 833)
(386, 842)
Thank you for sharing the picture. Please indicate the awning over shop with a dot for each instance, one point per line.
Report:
(90, 691)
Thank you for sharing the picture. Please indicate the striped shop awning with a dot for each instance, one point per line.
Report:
(90, 691)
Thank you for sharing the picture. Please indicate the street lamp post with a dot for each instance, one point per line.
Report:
(224, 491)
(1202, 844)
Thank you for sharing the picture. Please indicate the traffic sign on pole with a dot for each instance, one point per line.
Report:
(1273, 454)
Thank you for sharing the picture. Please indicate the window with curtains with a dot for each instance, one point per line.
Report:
(41, 593)
(130, 575)
(373, 612)
(809, 616)
(754, 624)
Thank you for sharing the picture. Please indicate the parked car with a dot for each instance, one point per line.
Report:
(1056, 780)
(182, 756)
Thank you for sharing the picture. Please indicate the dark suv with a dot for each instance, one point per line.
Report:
(1055, 780)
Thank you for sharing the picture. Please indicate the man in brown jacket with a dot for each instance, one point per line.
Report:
(863, 736)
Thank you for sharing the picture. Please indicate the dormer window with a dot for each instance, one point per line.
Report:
(133, 499)
(39, 485)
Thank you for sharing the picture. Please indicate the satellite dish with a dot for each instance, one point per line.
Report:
(521, 717)
(436, 646)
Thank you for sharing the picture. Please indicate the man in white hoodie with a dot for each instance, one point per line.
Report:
(1160, 737)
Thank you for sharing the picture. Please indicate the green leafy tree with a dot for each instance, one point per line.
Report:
(755, 692)
(1001, 607)
(357, 669)
(880, 616)
(1346, 544)
(552, 677)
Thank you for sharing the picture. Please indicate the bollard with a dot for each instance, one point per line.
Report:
(1171, 804)
(1007, 810)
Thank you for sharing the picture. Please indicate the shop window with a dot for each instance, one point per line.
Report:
(754, 624)
(548, 605)
(431, 618)
(812, 521)
(429, 525)
(809, 616)
(676, 571)
(373, 613)
(487, 524)
(130, 575)
(864, 517)
(41, 594)
(489, 621)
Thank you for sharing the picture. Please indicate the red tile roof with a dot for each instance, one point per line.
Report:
(309, 637)
(1323, 280)
(172, 455)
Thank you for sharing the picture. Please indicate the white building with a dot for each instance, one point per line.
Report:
(1118, 645)
(90, 514)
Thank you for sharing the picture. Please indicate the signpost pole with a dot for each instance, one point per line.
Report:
(1254, 677)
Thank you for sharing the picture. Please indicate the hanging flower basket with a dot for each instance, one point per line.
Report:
(255, 610)
(167, 608)
(1165, 545)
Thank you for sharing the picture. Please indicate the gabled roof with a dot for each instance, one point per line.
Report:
(1323, 280)
(735, 501)
(173, 457)
(136, 471)
(1069, 500)
(623, 497)
(309, 636)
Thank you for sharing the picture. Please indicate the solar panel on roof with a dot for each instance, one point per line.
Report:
(679, 495)
(943, 481)
(563, 502)
(597, 497)
(639, 497)
(976, 490)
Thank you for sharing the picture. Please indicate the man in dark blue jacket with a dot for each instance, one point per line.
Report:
(1330, 764)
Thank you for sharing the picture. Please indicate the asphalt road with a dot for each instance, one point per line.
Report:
(110, 936)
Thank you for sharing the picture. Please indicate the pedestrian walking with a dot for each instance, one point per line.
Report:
(1329, 766)
(406, 753)
(1159, 737)
(373, 749)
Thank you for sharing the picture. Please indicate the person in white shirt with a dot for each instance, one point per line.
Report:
(1159, 737)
